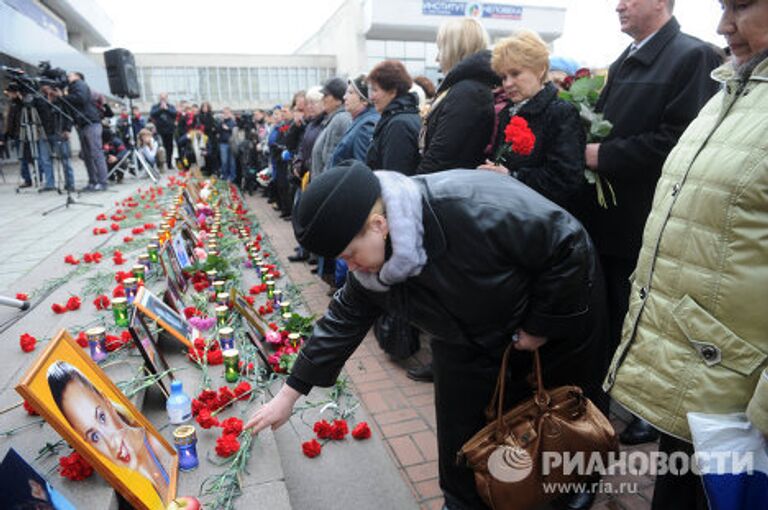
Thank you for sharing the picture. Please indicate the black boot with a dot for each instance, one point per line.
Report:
(638, 431)
(421, 373)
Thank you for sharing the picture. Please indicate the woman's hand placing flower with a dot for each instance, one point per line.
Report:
(493, 167)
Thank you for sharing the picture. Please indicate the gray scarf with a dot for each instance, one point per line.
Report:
(402, 203)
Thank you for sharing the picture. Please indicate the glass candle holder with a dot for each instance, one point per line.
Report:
(222, 299)
(131, 286)
(120, 312)
(185, 440)
(97, 343)
(285, 305)
(278, 297)
(231, 369)
(287, 316)
(222, 314)
(144, 261)
(218, 286)
(270, 289)
(139, 272)
(211, 275)
(295, 339)
(152, 251)
(226, 338)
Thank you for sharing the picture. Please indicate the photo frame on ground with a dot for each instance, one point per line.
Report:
(21, 486)
(173, 296)
(181, 250)
(154, 361)
(256, 332)
(171, 321)
(171, 267)
(90, 413)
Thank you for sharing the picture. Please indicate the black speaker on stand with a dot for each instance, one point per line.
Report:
(123, 82)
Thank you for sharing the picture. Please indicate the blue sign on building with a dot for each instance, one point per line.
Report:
(471, 9)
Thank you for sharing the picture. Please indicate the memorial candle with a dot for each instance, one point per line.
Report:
(97, 343)
(231, 360)
(185, 440)
(120, 311)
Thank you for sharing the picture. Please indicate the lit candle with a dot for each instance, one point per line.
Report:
(152, 252)
(270, 289)
(144, 261)
(97, 342)
(138, 272)
(222, 298)
(294, 338)
(218, 286)
(285, 305)
(211, 275)
(120, 311)
(278, 298)
(222, 314)
(231, 370)
(227, 338)
(131, 286)
(185, 440)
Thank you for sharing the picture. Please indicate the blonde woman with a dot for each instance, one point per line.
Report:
(460, 121)
(556, 165)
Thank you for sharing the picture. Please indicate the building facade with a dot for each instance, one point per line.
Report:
(238, 81)
(362, 33)
(58, 31)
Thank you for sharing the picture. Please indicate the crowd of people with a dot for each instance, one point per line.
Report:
(406, 200)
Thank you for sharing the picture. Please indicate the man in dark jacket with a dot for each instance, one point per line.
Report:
(163, 115)
(654, 89)
(476, 260)
(88, 121)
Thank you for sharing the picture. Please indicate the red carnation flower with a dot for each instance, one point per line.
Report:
(127, 239)
(57, 308)
(215, 357)
(101, 217)
(101, 302)
(323, 429)
(30, 410)
(361, 431)
(311, 448)
(227, 445)
(27, 342)
(74, 467)
(70, 259)
(115, 227)
(118, 291)
(225, 396)
(137, 230)
(582, 73)
(73, 303)
(242, 389)
(205, 420)
(197, 406)
(208, 397)
(191, 311)
(519, 136)
(232, 425)
(21, 296)
(87, 258)
(339, 430)
(250, 300)
(82, 340)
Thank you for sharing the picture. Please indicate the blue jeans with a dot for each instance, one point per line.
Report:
(44, 165)
(228, 170)
(62, 150)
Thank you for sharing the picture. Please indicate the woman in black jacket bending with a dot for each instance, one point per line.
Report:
(460, 121)
(555, 168)
(475, 259)
(395, 144)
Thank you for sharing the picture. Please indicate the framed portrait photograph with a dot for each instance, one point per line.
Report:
(154, 361)
(256, 332)
(171, 267)
(181, 250)
(167, 318)
(22, 487)
(173, 296)
(188, 205)
(85, 407)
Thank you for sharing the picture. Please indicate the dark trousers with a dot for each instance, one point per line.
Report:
(616, 271)
(681, 492)
(167, 139)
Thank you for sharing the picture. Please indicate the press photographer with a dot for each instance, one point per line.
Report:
(89, 126)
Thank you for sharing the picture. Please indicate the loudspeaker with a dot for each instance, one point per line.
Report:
(121, 72)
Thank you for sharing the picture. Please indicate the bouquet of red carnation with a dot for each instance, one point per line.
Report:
(583, 90)
(518, 139)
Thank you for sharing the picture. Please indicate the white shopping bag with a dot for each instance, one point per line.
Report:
(732, 457)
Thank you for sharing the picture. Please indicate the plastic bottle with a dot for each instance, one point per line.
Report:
(179, 405)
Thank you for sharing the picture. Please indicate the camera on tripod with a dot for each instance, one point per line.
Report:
(26, 85)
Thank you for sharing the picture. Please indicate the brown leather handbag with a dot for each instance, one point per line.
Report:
(515, 457)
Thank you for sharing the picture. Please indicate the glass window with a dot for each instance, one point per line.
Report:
(375, 48)
(372, 61)
(224, 87)
(431, 54)
(213, 77)
(254, 84)
(283, 90)
(234, 84)
(414, 67)
(273, 87)
(202, 84)
(245, 89)
(414, 49)
(395, 49)
(293, 80)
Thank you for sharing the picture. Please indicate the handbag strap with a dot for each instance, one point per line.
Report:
(542, 398)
